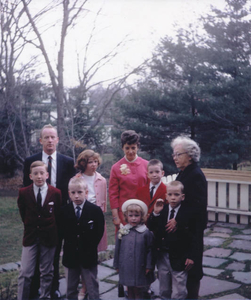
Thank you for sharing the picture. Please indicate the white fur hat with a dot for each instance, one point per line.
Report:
(136, 202)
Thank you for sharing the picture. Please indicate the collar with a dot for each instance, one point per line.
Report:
(156, 185)
(36, 188)
(140, 228)
(176, 209)
(132, 161)
(81, 206)
(53, 155)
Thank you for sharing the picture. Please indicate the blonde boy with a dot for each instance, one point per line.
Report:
(175, 246)
(82, 227)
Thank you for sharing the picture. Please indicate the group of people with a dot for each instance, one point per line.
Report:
(155, 224)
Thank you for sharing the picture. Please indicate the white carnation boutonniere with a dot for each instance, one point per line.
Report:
(124, 230)
(124, 169)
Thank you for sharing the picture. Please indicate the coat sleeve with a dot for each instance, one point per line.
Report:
(58, 203)
(116, 253)
(149, 255)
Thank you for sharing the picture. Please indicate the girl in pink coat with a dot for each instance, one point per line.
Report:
(87, 163)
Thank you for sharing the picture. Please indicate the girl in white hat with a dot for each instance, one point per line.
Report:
(133, 252)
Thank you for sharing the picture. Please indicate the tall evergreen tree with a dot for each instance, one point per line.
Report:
(199, 85)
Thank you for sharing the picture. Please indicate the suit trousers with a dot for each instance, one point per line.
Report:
(172, 283)
(28, 264)
(89, 276)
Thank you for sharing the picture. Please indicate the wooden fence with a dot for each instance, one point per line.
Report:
(229, 195)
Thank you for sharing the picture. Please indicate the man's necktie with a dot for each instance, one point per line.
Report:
(78, 212)
(49, 169)
(172, 214)
(39, 198)
(151, 191)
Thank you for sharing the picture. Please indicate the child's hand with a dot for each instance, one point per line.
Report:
(171, 225)
(78, 174)
(189, 264)
(158, 206)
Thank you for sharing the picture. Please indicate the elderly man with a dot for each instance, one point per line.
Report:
(61, 169)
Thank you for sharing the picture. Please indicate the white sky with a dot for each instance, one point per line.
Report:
(143, 21)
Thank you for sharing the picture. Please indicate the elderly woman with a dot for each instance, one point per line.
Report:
(126, 176)
(186, 155)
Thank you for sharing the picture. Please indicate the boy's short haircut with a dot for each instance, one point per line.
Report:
(176, 183)
(78, 181)
(47, 126)
(154, 162)
(38, 163)
(83, 158)
(138, 209)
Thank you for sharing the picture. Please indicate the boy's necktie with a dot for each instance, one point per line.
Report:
(49, 169)
(78, 212)
(172, 214)
(39, 198)
(151, 191)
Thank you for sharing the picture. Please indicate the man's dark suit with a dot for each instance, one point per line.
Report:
(180, 244)
(81, 237)
(65, 171)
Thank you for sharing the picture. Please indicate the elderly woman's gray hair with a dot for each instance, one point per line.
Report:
(189, 145)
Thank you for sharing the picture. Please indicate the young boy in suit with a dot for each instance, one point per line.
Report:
(154, 190)
(82, 227)
(175, 245)
(39, 207)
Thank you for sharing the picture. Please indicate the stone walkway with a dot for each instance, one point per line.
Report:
(226, 261)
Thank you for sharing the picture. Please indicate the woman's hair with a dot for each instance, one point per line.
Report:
(135, 208)
(83, 158)
(129, 137)
(189, 145)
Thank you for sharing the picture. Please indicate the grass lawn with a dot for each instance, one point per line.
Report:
(11, 229)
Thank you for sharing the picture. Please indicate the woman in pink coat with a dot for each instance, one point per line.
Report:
(126, 176)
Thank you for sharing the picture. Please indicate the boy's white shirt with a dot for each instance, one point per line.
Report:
(81, 206)
(53, 166)
(176, 209)
(43, 191)
(156, 187)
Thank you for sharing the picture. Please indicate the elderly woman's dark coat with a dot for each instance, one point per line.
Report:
(195, 190)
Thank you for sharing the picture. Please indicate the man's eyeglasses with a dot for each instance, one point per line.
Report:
(178, 154)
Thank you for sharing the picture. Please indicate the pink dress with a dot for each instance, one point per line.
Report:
(125, 178)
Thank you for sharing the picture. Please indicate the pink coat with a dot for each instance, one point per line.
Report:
(125, 178)
(100, 187)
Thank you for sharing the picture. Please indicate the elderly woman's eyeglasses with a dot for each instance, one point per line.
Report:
(177, 155)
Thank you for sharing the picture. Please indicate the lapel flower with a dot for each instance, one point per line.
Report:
(124, 169)
(124, 230)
